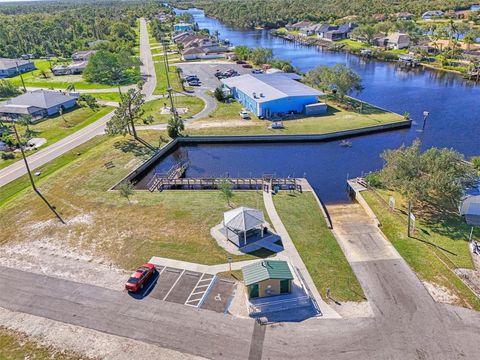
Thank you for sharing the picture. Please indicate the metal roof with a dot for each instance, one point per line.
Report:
(43, 99)
(6, 64)
(267, 87)
(264, 270)
(243, 218)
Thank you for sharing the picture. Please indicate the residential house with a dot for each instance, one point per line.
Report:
(403, 16)
(299, 25)
(183, 27)
(310, 30)
(395, 41)
(71, 69)
(336, 33)
(83, 55)
(267, 278)
(39, 104)
(13, 67)
(428, 15)
(274, 95)
(204, 52)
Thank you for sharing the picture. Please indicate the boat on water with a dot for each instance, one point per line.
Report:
(345, 143)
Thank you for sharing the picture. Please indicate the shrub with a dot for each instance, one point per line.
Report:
(7, 156)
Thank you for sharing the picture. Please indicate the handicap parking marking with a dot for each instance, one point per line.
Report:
(200, 290)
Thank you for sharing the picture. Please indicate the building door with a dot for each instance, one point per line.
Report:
(284, 286)
(253, 291)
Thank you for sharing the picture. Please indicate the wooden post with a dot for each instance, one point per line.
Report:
(409, 217)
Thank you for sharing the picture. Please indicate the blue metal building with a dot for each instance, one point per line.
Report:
(274, 95)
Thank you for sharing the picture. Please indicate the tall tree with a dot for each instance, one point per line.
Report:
(339, 79)
(129, 112)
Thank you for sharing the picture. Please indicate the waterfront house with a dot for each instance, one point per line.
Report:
(395, 41)
(335, 33)
(429, 15)
(299, 25)
(13, 67)
(310, 30)
(274, 95)
(267, 278)
(183, 27)
(83, 55)
(39, 104)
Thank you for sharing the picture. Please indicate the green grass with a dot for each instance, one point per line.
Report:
(353, 45)
(16, 346)
(107, 96)
(317, 246)
(36, 79)
(153, 108)
(438, 245)
(336, 119)
(170, 224)
(56, 128)
(162, 79)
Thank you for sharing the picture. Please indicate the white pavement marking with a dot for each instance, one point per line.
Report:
(175, 283)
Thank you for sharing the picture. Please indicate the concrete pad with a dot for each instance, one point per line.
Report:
(183, 287)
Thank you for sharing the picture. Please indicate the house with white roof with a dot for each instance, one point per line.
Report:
(13, 67)
(274, 95)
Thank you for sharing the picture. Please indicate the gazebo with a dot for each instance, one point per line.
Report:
(243, 222)
(470, 209)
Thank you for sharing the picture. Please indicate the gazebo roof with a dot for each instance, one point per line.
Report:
(470, 208)
(243, 218)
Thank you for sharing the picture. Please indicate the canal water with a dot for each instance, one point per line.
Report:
(454, 121)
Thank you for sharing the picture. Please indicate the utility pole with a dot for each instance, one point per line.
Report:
(21, 77)
(425, 116)
(31, 177)
(169, 87)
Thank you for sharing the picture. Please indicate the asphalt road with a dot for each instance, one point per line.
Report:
(68, 143)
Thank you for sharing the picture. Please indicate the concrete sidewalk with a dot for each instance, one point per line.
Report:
(291, 253)
(208, 269)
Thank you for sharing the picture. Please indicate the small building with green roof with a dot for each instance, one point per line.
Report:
(267, 278)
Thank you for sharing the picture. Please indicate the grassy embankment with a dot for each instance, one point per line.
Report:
(56, 128)
(438, 246)
(170, 224)
(14, 345)
(317, 246)
(337, 119)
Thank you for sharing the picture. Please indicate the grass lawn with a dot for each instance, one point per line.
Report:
(36, 79)
(162, 79)
(192, 103)
(169, 224)
(336, 119)
(107, 96)
(14, 345)
(317, 246)
(353, 45)
(56, 128)
(437, 247)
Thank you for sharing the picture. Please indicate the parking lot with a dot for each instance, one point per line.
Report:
(206, 72)
(205, 291)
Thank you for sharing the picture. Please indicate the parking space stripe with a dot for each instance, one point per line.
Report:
(175, 283)
(199, 291)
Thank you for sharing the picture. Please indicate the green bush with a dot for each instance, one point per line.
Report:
(373, 180)
(476, 162)
(7, 156)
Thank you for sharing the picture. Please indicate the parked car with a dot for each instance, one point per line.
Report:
(244, 115)
(240, 62)
(257, 71)
(194, 83)
(138, 279)
(247, 66)
(192, 77)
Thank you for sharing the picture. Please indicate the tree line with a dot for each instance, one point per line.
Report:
(62, 28)
(278, 13)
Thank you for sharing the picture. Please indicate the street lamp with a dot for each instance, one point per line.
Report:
(34, 187)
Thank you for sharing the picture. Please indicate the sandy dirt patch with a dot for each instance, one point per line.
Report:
(90, 343)
(441, 294)
(50, 257)
(352, 309)
(471, 277)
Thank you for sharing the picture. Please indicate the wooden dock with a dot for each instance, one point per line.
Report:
(250, 183)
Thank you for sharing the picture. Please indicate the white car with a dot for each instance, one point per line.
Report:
(244, 114)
